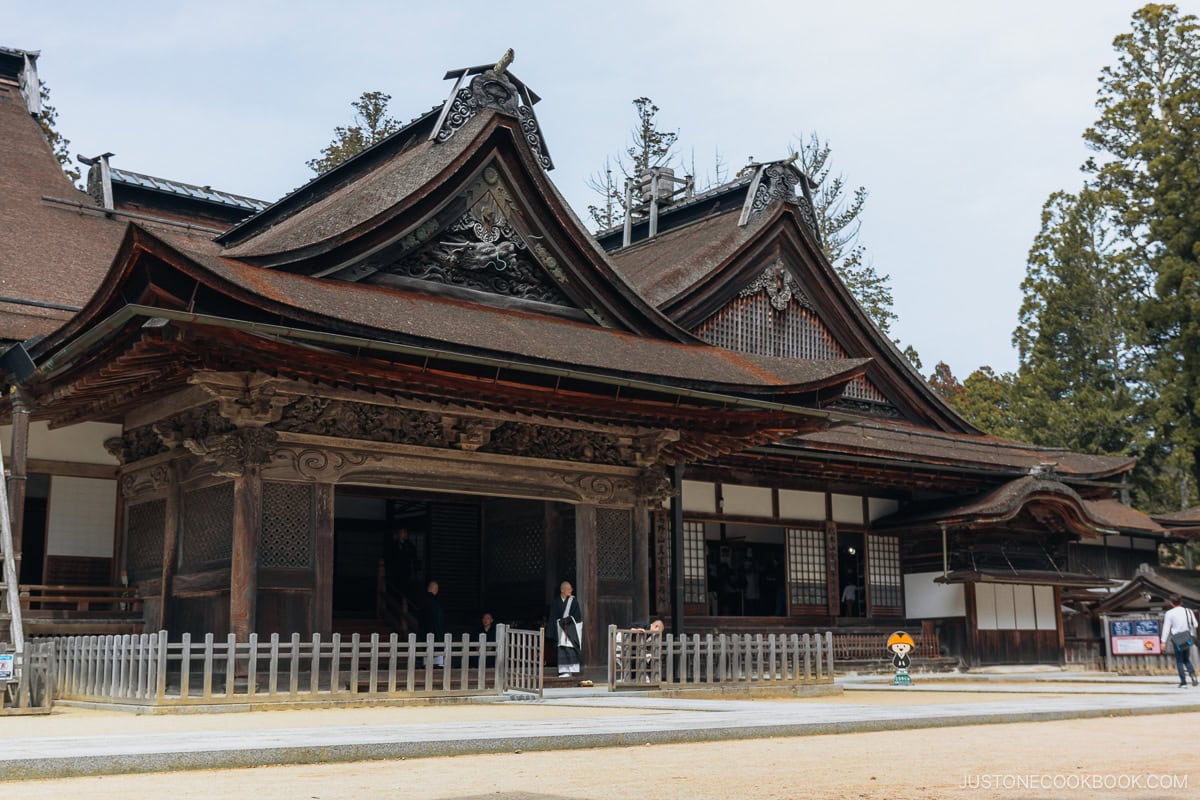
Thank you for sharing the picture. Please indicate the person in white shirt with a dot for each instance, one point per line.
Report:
(1180, 620)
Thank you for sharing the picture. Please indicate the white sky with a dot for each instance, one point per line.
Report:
(959, 117)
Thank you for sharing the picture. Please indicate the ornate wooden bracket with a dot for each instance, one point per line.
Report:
(468, 433)
(245, 399)
(236, 450)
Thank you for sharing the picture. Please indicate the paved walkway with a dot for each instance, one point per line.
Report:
(645, 720)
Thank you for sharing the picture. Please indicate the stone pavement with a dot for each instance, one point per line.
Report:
(646, 720)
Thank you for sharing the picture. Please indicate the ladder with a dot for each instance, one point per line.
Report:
(12, 638)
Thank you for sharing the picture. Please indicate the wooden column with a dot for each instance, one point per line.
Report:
(243, 583)
(552, 533)
(586, 585)
(322, 604)
(972, 626)
(16, 468)
(170, 553)
(677, 587)
(641, 561)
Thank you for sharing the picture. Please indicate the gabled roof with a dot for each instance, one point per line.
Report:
(1158, 582)
(694, 271)
(50, 255)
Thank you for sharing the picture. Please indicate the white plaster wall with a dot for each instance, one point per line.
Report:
(848, 509)
(1024, 607)
(985, 606)
(801, 505)
(747, 501)
(925, 599)
(1043, 598)
(82, 443)
(880, 507)
(700, 497)
(81, 517)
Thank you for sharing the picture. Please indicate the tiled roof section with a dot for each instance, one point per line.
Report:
(672, 262)
(535, 338)
(361, 199)
(1186, 517)
(678, 209)
(901, 442)
(48, 253)
(1006, 501)
(298, 202)
(188, 190)
(1122, 517)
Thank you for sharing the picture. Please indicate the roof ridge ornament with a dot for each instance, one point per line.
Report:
(491, 86)
(776, 181)
(780, 286)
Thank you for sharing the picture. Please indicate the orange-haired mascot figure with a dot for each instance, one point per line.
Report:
(901, 644)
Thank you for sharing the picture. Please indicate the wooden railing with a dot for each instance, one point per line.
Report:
(35, 597)
(637, 658)
(873, 646)
(520, 666)
(149, 669)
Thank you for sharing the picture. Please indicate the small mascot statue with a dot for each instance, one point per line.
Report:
(901, 644)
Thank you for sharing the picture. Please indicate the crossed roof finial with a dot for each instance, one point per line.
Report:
(504, 61)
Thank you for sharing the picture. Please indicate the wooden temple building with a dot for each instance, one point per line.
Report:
(229, 405)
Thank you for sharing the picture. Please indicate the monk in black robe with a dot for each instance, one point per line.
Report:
(566, 619)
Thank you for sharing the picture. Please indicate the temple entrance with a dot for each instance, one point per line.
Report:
(852, 575)
(745, 566)
(487, 554)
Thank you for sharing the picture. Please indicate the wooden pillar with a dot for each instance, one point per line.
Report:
(552, 533)
(170, 553)
(641, 561)
(243, 582)
(322, 605)
(16, 468)
(677, 593)
(586, 585)
(972, 625)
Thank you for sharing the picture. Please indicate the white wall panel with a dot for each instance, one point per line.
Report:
(848, 509)
(880, 507)
(801, 505)
(82, 443)
(1006, 612)
(82, 511)
(1043, 597)
(1023, 608)
(747, 501)
(700, 497)
(985, 606)
(925, 599)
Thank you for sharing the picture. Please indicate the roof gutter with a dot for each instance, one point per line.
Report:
(66, 356)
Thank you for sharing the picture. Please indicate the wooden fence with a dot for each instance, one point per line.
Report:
(30, 689)
(520, 666)
(638, 658)
(149, 669)
(872, 646)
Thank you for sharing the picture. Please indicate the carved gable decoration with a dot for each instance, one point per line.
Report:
(561, 444)
(347, 420)
(484, 250)
(780, 287)
(493, 88)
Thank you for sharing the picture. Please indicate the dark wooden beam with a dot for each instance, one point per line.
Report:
(586, 586)
(243, 581)
(170, 553)
(322, 606)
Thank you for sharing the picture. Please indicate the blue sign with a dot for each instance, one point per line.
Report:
(1134, 627)
(6, 667)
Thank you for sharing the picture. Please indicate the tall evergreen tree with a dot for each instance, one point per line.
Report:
(650, 146)
(1079, 339)
(48, 120)
(1148, 173)
(371, 124)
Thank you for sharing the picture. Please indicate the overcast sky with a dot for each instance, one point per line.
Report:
(960, 118)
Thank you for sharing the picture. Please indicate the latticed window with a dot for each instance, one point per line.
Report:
(806, 566)
(693, 562)
(144, 535)
(883, 571)
(614, 543)
(206, 529)
(284, 538)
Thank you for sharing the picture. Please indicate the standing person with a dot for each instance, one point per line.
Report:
(433, 619)
(487, 629)
(567, 619)
(400, 564)
(1179, 628)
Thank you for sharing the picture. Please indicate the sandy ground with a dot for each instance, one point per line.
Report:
(1121, 757)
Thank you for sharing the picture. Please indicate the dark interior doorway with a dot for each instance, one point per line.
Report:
(33, 529)
(851, 575)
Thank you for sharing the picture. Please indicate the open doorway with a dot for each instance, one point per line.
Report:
(746, 570)
(852, 574)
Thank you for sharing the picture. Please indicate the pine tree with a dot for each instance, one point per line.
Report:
(650, 146)
(371, 124)
(48, 119)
